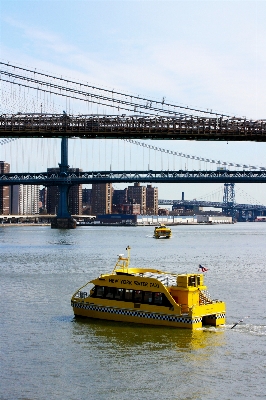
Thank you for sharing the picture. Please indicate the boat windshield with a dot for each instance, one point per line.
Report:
(85, 291)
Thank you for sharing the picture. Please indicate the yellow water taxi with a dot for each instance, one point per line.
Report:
(148, 296)
(162, 232)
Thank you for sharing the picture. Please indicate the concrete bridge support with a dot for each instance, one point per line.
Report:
(63, 220)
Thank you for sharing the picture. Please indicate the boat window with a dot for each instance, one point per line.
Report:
(192, 281)
(138, 296)
(158, 299)
(99, 292)
(128, 294)
(119, 294)
(147, 297)
(109, 292)
(161, 300)
(166, 302)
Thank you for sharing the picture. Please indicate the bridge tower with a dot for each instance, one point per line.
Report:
(63, 219)
(229, 200)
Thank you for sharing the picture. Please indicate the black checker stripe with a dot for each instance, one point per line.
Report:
(216, 316)
(139, 314)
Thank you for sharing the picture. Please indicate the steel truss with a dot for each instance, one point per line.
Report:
(213, 204)
(74, 178)
(132, 127)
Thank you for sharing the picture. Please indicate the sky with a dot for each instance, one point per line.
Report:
(204, 54)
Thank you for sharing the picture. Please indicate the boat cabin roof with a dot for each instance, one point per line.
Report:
(165, 279)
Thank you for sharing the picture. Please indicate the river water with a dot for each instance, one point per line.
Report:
(48, 354)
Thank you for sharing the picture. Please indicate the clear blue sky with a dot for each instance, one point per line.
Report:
(207, 54)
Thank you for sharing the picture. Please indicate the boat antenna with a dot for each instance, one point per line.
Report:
(128, 248)
(241, 320)
(123, 262)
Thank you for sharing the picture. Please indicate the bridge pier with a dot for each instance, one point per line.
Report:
(63, 223)
(63, 219)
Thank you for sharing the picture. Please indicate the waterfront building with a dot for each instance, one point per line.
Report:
(120, 196)
(43, 198)
(126, 209)
(4, 190)
(137, 195)
(29, 198)
(14, 199)
(119, 201)
(151, 200)
(86, 197)
(24, 199)
(101, 199)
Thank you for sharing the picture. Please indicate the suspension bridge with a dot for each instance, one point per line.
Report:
(148, 119)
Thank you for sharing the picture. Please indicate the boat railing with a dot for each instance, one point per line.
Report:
(204, 297)
(82, 295)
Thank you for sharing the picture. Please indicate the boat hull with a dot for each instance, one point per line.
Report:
(162, 233)
(83, 309)
(162, 237)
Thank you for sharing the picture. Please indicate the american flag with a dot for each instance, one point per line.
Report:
(203, 269)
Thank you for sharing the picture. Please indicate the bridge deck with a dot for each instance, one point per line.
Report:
(133, 127)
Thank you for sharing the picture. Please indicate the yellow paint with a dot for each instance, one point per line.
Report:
(162, 232)
(149, 296)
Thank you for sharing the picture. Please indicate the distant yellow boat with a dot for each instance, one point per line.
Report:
(162, 232)
(148, 296)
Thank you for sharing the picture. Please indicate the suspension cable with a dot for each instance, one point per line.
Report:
(197, 158)
(148, 105)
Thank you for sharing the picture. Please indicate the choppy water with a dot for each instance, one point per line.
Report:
(48, 354)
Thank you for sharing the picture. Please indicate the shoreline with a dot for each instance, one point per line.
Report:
(117, 225)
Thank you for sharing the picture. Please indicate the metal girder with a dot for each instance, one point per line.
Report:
(212, 204)
(49, 179)
(132, 127)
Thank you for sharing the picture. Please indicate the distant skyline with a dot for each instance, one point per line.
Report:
(207, 54)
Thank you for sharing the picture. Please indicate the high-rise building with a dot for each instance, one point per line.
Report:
(119, 197)
(4, 190)
(75, 200)
(14, 199)
(86, 197)
(74, 196)
(120, 202)
(29, 198)
(101, 198)
(151, 200)
(43, 198)
(24, 199)
(137, 195)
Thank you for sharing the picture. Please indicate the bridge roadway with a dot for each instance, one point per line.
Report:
(75, 178)
(186, 127)
(212, 204)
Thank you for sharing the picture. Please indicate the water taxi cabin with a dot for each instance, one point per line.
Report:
(149, 296)
(162, 232)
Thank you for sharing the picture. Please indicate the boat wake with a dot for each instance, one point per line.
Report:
(255, 330)
(62, 243)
